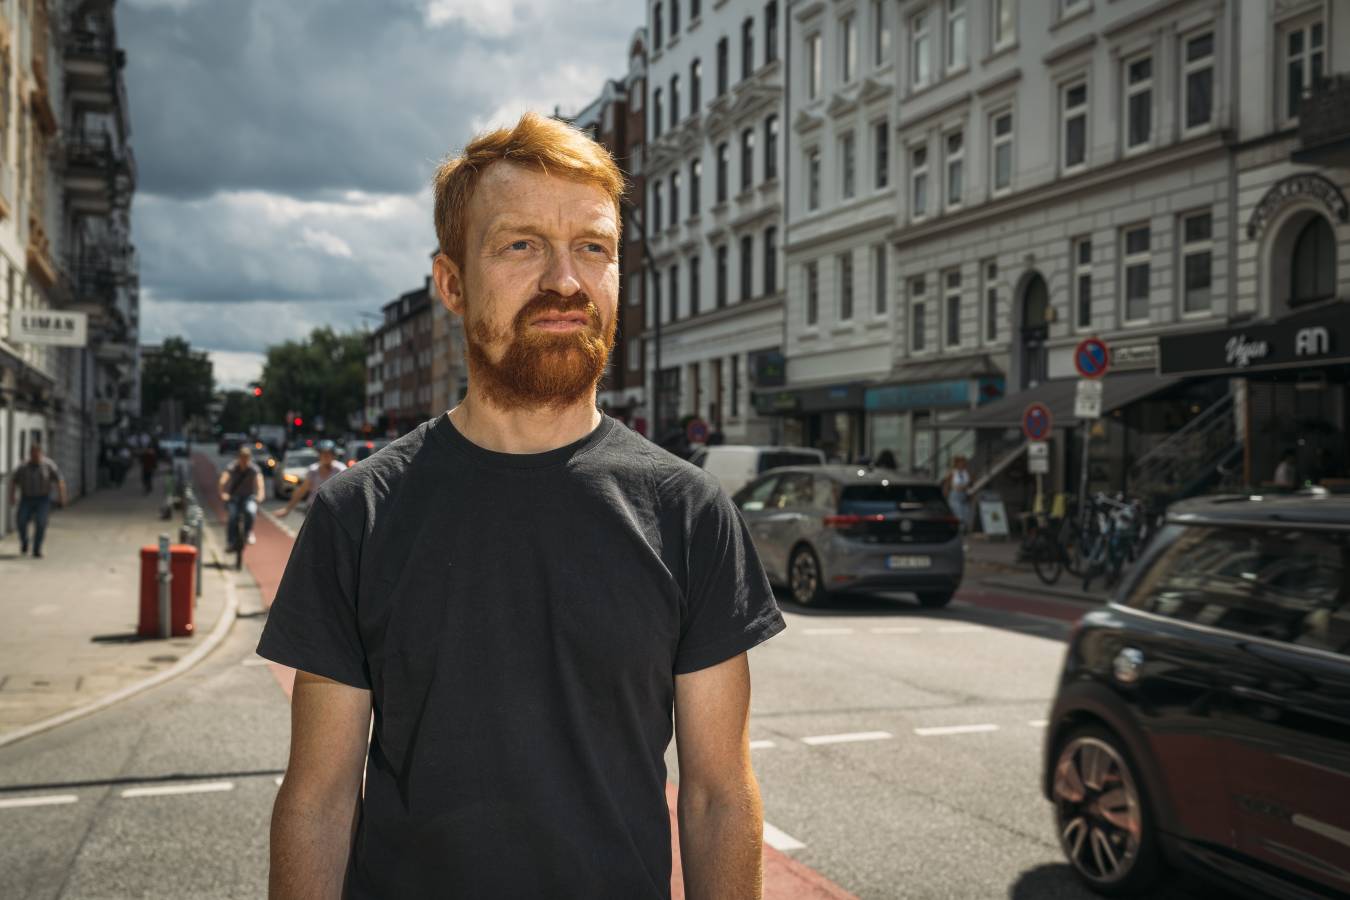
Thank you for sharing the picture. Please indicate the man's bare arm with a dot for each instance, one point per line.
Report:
(721, 821)
(315, 811)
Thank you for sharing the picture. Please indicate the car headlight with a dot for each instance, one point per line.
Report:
(292, 479)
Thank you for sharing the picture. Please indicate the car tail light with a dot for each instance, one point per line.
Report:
(846, 522)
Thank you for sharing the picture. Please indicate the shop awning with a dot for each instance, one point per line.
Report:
(1119, 390)
(942, 370)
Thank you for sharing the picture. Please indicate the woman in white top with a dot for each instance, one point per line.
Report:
(956, 488)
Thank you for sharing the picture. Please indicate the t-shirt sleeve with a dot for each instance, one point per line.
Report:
(312, 624)
(729, 607)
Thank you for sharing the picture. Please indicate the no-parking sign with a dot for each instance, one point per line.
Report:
(1036, 422)
(1091, 357)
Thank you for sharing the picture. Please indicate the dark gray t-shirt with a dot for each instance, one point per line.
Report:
(519, 620)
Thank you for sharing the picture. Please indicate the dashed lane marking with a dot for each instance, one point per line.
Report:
(827, 631)
(780, 840)
(201, 787)
(848, 738)
(954, 729)
(761, 745)
(1039, 723)
(40, 800)
(896, 629)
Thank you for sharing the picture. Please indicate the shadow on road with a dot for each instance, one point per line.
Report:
(856, 605)
(899, 605)
(1058, 882)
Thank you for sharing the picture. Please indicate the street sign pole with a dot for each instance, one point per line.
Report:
(1091, 358)
(1036, 426)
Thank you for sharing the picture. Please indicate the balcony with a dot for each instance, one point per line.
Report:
(93, 63)
(99, 173)
(1324, 123)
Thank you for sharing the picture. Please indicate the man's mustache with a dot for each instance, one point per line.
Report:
(548, 302)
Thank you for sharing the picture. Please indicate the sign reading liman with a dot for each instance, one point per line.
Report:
(1316, 337)
(53, 327)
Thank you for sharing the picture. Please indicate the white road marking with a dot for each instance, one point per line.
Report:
(276, 520)
(954, 729)
(896, 629)
(827, 631)
(1039, 723)
(848, 738)
(960, 629)
(201, 787)
(761, 745)
(253, 661)
(779, 840)
(40, 800)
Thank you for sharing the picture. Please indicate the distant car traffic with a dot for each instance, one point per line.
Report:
(1203, 718)
(735, 464)
(292, 471)
(230, 441)
(363, 449)
(835, 528)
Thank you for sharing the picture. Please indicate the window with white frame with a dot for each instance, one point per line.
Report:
(920, 50)
(1135, 268)
(634, 353)
(695, 284)
(1303, 60)
(952, 282)
(635, 160)
(657, 110)
(1003, 22)
(1074, 125)
(655, 311)
(720, 288)
(770, 31)
(918, 180)
(848, 47)
(813, 179)
(845, 265)
(956, 35)
(771, 148)
(1138, 103)
(674, 277)
(917, 321)
(1197, 255)
(848, 161)
(770, 260)
(881, 154)
(634, 285)
(658, 192)
(1081, 250)
(814, 64)
(747, 158)
(1000, 152)
(723, 170)
(879, 279)
(881, 33)
(747, 264)
(989, 272)
(695, 185)
(695, 86)
(1197, 82)
(674, 100)
(955, 147)
(674, 199)
(812, 272)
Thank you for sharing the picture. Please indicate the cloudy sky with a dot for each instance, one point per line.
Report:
(284, 147)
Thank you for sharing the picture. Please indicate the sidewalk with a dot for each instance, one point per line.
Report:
(994, 563)
(70, 618)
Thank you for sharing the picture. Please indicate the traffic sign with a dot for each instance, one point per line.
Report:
(1036, 422)
(1087, 401)
(1091, 357)
(1038, 458)
(696, 431)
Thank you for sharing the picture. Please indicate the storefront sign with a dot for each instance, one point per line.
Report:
(775, 403)
(1306, 186)
(51, 327)
(768, 368)
(1314, 338)
(933, 394)
(1134, 356)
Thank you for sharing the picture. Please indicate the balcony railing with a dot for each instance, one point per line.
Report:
(1324, 113)
(91, 45)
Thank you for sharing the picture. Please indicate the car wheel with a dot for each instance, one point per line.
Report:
(804, 579)
(1102, 814)
(935, 600)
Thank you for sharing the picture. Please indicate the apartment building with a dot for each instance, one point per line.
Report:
(713, 216)
(399, 364)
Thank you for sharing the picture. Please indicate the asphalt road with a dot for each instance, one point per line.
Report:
(898, 753)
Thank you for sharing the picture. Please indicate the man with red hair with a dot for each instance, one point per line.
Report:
(521, 590)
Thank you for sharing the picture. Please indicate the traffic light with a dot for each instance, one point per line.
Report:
(257, 391)
(298, 422)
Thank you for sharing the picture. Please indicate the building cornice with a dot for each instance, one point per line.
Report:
(713, 316)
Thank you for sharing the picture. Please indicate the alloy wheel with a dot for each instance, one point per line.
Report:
(805, 578)
(1098, 810)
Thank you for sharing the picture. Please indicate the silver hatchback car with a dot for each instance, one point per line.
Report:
(826, 529)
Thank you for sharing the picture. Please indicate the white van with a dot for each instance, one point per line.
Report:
(736, 464)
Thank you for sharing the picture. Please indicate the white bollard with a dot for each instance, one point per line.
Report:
(165, 582)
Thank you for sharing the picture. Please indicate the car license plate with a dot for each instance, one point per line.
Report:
(909, 562)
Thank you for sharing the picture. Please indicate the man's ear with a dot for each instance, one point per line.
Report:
(449, 283)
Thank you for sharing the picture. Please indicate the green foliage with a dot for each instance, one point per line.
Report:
(179, 373)
(324, 374)
(238, 413)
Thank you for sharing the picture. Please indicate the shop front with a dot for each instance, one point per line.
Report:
(912, 419)
(828, 417)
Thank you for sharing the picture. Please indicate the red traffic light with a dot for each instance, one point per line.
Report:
(257, 392)
(299, 421)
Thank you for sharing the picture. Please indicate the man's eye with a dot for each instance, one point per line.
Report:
(519, 245)
(596, 248)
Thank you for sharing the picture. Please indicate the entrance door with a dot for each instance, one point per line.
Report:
(1035, 330)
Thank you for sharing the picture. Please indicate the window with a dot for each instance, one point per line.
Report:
(1198, 81)
(695, 284)
(920, 49)
(747, 158)
(956, 35)
(881, 154)
(879, 279)
(674, 100)
(674, 17)
(916, 317)
(956, 165)
(848, 163)
(735, 386)
(695, 9)
(723, 164)
(953, 297)
(812, 293)
(1196, 262)
(657, 193)
(656, 313)
(721, 286)
(674, 276)
(635, 95)
(635, 160)
(658, 16)
(771, 148)
(989, 269)
(1082, 282)
(881, 34)
(918, 177)
(770, 31)
(747, 48)
(813, 67)
(1314, 266)
(723, 65)
(747, 267)
(1303, 62)
(695, 87)
(848, 47)
(634, 354)
(770, 260)
(1000, 152)
(1004, 22)
(634, 288)
(674, 199)
(1139, 103)
(657, 111)
(1075, 126)
(845, 261)
(1136, 273)
(695, 185)
(813, 179)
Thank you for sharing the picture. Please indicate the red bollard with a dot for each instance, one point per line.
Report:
(183, 565)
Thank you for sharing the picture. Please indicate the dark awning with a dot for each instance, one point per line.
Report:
(942, 370)
(1119, 390)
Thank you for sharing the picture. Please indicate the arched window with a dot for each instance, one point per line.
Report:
(1313, 272)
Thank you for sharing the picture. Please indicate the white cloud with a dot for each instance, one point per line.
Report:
(325, 241)
(490, 18)
(234, 369)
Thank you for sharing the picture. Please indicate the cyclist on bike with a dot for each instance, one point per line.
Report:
(317, 475)
(241, 488)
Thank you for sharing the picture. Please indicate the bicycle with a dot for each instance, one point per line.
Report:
(236, 532)
(1116, 539)
(1054, 550)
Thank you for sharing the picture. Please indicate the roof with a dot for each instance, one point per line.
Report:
(1058, 395)
(1309, 508)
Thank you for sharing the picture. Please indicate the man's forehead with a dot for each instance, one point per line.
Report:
(508, 193)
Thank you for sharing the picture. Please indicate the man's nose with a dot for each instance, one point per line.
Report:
(560, 275)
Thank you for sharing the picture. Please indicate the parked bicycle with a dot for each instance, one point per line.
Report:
(1056, 547)
(1118, 538)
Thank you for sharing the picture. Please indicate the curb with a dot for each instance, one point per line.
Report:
(222, 627)
(1079, 597)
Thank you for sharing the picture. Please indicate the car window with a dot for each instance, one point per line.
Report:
(795, 490)
(870, 499)
(823, 498)
(1278, 583)
(755, 497)
(774, 459)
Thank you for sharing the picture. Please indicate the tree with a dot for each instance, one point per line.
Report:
(237, 412)
(176, 373)
(323, 375)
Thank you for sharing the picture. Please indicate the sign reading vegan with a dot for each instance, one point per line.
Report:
(1318, 337)
(52, 327)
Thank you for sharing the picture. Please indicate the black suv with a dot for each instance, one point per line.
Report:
(1203, 718)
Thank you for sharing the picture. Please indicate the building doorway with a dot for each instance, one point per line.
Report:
(1035, 329)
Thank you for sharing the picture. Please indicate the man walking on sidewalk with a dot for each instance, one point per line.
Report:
(521, 589)
(32, 483)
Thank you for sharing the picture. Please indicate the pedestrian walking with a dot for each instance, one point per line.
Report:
(242, 489)
(524, 591)
(149, 461)
(31, 485)
(316, 476)
(956, 488)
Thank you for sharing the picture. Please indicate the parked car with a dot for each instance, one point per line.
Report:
(828, 528)
(735, 464)
(363, 449)
(293, 470)
(230, 441)
(1203, 717)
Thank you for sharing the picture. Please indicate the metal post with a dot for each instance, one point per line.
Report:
(1083, 474)
(198, 523)
(165, 581)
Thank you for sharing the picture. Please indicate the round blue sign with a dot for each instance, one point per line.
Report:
(1091, 358)
(1036, 422)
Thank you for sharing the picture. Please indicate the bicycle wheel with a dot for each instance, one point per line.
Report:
(1071, 546)
(1047, 559)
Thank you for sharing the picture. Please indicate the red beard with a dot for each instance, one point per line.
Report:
(541, 369)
